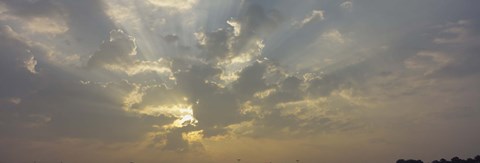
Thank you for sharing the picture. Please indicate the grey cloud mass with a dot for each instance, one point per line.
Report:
(218, 80)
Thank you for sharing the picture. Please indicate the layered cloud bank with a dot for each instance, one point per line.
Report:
(215, 80)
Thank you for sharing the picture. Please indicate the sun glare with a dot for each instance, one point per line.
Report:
(185, 120)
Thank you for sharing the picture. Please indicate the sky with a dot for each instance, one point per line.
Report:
(210, 81)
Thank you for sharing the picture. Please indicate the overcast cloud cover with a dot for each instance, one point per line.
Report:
(216, 80)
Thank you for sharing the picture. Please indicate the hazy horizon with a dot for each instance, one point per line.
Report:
(205, 81)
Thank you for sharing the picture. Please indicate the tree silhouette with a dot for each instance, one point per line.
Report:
(476, 159)
(409, 161)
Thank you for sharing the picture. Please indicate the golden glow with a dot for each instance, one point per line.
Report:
(265, 93)
(214, 81)
(182, 112)
(193, 136)
(175, 4)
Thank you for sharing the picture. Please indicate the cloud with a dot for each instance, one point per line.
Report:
(461, 36)
(347, 5)
(175, 4)
(3, 8)
(251, 80)
(47, 25)
(445, 62)
(10, 102)
(30, 65)
(242, 42)
(323, 86)
(215, 44)
(29, 9)
(176, 80)
(38, 16)
(316, 15)
(65, 104)
(428, 61)
(15, 100)
(171, 38)
(237, 27)
(118, 54)
(455, 33)
(334, 36)
(119, 51)
(18, 59)
(175, 141)
(213, 107)
(463, 65)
